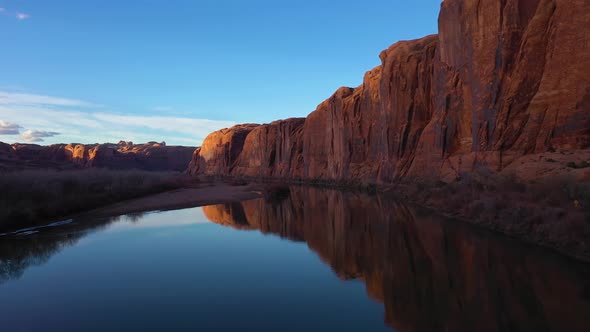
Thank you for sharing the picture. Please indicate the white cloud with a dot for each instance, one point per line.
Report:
(7, 128)
(8, 98)
(171, 124)
(79, 122)
(37, 136)
(22, 16)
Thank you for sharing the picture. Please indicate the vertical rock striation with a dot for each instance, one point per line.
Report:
(501, 80)
(221, 151)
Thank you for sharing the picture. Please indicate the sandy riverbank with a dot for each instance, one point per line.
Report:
(198, 195)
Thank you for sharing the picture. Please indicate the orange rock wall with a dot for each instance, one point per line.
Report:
(501, 80)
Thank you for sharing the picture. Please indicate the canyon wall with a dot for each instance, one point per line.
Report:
(151, 156)
(501, 80)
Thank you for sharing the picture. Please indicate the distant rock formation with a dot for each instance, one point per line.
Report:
(501, 81)
(151, 156)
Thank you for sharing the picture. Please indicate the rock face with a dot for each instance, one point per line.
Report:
(151, 156)
(220, 154)
(501, 80)
(270, 150)
(273, 150)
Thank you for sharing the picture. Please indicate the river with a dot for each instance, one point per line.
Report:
(310, 260)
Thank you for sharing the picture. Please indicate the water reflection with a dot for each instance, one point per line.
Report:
(15, 259)
(25, 248)
(431, 275)
(20, 251)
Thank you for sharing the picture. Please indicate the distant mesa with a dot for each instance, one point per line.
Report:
(151, 156)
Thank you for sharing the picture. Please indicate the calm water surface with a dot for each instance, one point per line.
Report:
(317, 260)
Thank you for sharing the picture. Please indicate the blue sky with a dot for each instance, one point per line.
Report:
(95, 71)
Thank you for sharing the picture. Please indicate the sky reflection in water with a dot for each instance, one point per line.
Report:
(351, 263)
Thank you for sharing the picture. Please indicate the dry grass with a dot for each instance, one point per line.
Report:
(33, 197)
(554, 211)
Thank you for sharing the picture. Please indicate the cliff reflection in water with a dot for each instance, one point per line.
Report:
(430, 274)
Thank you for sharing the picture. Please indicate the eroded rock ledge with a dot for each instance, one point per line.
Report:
(501, 81)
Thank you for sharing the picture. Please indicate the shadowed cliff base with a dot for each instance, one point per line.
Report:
(430, 273)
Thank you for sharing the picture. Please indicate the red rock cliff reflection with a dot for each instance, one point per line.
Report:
(429, 273)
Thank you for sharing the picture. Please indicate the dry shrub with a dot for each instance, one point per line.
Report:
(554, 211)
(30, 197)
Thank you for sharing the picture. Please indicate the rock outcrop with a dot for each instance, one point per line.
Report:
(151, 156)
(273, 150)
(502, 80)
(220, 154)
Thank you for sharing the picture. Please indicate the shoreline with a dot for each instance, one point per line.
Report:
(230, 189)
(210, 193)
(435, 199)
(520, 237)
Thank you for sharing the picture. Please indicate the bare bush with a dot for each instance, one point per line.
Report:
(554, 211)
(31, 197)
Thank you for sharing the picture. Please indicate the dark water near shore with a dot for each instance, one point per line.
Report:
(316, 260)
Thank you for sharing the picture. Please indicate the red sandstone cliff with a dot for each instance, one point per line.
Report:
(502, 80)
(151, 156)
